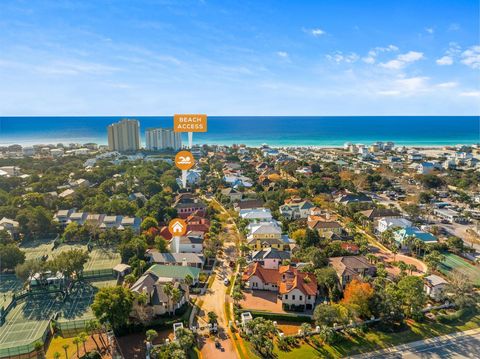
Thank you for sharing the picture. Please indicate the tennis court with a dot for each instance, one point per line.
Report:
(77, 304)
(28, 320)
(454, 262)
(9, 283)
(37, 249)
(100, 258)
(103, 258)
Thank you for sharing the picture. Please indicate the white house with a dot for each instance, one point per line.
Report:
(297, 290)
(434, 286)
(389, 223)
(186, 244)
(256, 214)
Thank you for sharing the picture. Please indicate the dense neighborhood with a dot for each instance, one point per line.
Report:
(286, 250)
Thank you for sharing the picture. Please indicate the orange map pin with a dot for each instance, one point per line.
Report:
(177, 227)
(184, 160)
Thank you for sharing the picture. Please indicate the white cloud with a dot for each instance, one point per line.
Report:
(430, 30)
(402, 60)
(317, 32)
(454, 27)
(445, 60)
(447, 85)
(282, 54)
(373, 53)
(470, 94)
(369, 60)
(339, 57)
(471, 57)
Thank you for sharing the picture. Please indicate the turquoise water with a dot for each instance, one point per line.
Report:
(253, 131)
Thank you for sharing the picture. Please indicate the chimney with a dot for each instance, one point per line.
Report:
(184, 262)
(176, 240)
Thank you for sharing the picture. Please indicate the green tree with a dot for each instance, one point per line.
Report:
(413, 296)
(433, 260)
(328, 314)
(10, 256)
(69, 263)
(185, 338)
(151, 334)
(65, 348)
(113, 305)
(148, 223)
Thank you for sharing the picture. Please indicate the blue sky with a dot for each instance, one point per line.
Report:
(160, 57)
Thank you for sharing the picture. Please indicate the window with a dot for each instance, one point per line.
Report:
(301, 297)
(309, 297)
(286, 296)
(293, 297)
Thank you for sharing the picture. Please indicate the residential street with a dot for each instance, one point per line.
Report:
(458, 345)
(214, 300)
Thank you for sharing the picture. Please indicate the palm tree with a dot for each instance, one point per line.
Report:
(371, 258)
(65, 348)
(168, 289)
(306, 328)
(91, 327)
(394, 250)
(176, 296)
(83, 340)
(237, 295)
(76, 341)
(39, 349)
(188, 282)
(411, 268)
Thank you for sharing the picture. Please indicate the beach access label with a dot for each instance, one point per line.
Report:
(190, 123)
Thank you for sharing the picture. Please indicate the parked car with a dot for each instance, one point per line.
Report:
(226, 281)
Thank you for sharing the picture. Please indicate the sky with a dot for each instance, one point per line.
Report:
(160, 57)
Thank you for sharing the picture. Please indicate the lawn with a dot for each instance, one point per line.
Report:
(452, 262)
(374, 340)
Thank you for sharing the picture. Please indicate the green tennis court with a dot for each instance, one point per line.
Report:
(28, 320)
(103, 258)
(454, 262)
(100, 258)
(9, 283)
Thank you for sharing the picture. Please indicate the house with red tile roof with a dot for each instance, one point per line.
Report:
(297, 290)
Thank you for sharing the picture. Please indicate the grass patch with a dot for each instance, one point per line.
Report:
(375, 340)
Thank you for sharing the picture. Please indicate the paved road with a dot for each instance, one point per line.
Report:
(214, 300)
(458, 345)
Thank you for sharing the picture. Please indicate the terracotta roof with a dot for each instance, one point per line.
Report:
(286, 277)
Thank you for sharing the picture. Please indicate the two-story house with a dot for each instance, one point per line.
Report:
(352, 267)
(297, 290)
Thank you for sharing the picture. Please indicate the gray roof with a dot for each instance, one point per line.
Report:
(271, 253)
(176, 257)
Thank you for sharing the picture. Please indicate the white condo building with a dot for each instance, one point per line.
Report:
(124, 136)
(162, 138)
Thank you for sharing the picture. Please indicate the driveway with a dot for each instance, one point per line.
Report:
(262, 300)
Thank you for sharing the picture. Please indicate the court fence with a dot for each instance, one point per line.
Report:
(27, 351)
(72, 328)
(98, 273)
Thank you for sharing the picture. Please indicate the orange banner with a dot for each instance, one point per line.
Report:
(190, 123)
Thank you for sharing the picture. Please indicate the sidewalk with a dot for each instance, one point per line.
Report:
(417, 344)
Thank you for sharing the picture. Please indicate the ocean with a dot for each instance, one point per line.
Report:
(254, 131)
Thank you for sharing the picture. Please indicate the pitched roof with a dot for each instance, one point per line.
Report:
(270, 253)
(350, 264)
(323, 225)
(380, 212)
(176, 272)
(287, 278)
